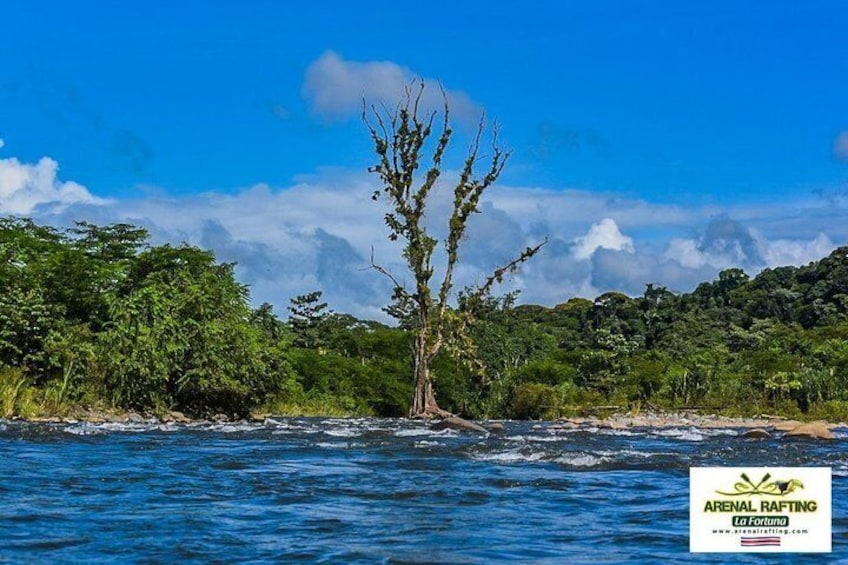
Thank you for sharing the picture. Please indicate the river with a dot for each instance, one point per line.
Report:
(370, 491)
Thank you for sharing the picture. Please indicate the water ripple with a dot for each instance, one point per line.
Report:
(367, 491)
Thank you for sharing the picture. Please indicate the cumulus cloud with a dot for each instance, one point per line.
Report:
(840, 146)
(603, 235)
(335, 87)
(685, 252)
(776, 252)
(728, 243)
(320, 232)
(25, 187)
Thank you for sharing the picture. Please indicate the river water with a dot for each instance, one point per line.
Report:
(371, 491)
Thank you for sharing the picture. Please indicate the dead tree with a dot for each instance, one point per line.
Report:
(400, 142)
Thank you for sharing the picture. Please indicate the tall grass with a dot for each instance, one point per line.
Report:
(317, 405)
(16, 397)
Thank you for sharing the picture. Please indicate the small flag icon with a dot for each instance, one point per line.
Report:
(760, 541)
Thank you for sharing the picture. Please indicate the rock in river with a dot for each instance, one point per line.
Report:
(756, 433)
(454, 423)
(814, 430)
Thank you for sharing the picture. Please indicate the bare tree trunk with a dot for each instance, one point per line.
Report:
(424, 402)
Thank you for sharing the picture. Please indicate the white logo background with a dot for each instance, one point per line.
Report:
(714, 531)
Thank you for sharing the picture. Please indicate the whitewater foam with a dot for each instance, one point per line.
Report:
(510, 456)
(532, 438)
(582, 460)
(425, 443)
(687, 434)
(344, 432)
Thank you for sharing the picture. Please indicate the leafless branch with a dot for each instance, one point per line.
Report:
(499, 273)
(386, 273)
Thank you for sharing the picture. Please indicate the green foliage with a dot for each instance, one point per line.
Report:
(546, 371)
(376, 384)
(831, 410)
(94, 316)
(16, 396)
(533, 401)
(318, 404)
(26, 322)
(92, 313)
(307, 317)
(648, 375)
(183, 336)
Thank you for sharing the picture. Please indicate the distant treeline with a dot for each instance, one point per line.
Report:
(95, 316)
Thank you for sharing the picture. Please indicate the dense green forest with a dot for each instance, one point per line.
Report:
(96, 317)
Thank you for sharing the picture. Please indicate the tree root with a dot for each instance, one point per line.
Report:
(431, 413)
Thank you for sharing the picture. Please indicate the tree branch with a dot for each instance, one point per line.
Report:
(499, 273)
(399, 288)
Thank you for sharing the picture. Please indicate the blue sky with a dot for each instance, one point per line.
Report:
(708, 134)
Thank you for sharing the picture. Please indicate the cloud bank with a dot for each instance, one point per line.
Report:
(320, 232)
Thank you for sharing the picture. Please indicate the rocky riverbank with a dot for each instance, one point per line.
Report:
(113, 417)
(762, 427)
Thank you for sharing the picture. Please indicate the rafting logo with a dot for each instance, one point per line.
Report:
(786, 509)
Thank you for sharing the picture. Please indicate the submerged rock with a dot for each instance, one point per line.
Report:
(456, 423)
(813, 430)
(756, 433)
(495, 427)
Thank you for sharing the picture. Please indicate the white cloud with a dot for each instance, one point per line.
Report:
(25, 187)
(319, 233)
(335, 88)
(603, 235)
(686, 253)
(840, 146)
(779, 252)
(727, 243)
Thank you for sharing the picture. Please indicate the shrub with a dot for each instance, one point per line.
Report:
(533, 401)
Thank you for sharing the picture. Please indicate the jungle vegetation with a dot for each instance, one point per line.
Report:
(96, 316)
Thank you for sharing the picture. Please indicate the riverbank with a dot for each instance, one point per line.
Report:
(690, 419)
(761, 427)
(616, 421)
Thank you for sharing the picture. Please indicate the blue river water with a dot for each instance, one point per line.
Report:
(371, 491)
